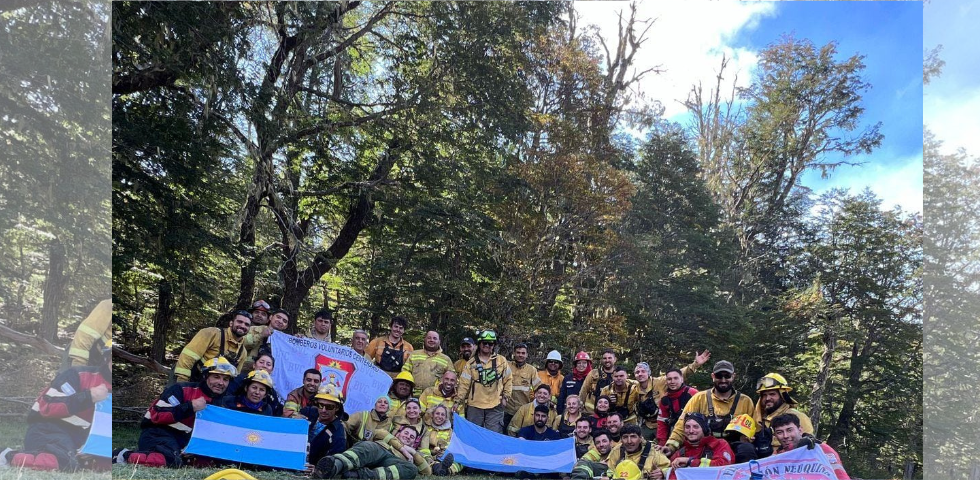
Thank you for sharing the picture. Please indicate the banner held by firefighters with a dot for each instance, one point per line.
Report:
(339, 366)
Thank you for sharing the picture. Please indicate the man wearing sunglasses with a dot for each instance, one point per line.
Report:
(774, 400)
(326, 415)
(719, 404)
(213, 342)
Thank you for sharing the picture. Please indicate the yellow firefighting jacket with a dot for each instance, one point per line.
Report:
(204, 346)
(481, 385)
(97, 326)
(699, 403)
(427, 368)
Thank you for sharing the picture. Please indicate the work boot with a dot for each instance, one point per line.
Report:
(441, 468)
(119, 455)
(326, 468)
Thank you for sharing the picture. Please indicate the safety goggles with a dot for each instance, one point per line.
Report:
(261, 305)
(224, 369)
(767, 382)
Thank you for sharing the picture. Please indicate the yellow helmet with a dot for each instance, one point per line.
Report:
(406, 376)
(743, 424)
(260, 376)
(329, 392)
(221, 366)
(231, 474)
(627, 470)
(772, 381)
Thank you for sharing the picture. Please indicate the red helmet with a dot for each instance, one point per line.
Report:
(582, 356)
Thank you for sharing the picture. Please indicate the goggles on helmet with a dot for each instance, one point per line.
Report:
(768, 382)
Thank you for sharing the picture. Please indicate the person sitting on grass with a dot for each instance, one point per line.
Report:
(59, 422)
(361, 426)
(326, 414)
(265, 362)
(253, 396)
(381, 458)
(167, 425)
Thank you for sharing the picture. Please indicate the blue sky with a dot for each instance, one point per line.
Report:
(688, 39)
(952, 101)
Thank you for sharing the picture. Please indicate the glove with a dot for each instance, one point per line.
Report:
(808, 442)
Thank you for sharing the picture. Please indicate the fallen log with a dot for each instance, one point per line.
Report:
(146, 362)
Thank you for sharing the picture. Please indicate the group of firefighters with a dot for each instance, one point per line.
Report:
(626, 427)
(654, 422)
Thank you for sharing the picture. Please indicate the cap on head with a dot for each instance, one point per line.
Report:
(723, 366)
(701, 420)
(468, 340)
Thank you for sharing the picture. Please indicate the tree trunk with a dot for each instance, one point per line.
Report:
(820, 383)
(54, 290)
(859, 357)
(161, 321)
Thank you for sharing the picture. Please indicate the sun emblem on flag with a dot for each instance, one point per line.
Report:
(509, 461)
(252, 438)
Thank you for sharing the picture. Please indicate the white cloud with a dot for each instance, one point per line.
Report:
(952, 116)
(687, 39)
(899, 184)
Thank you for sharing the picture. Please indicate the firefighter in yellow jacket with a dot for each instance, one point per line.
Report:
(632, 448)
(485, 384)
(427, 365)
(525, 414)
(774, 400)
(720, 404)
(206, 345)
(97, 326)
(525, 380)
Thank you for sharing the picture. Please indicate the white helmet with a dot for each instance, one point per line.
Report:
(554, 356)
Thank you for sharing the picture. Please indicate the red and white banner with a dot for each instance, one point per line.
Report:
(798, 464)
(359, 379)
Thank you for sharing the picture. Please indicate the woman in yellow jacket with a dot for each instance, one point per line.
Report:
(440, 432)
(413, 418)
(362, 426)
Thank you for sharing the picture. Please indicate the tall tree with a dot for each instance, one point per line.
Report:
(802, 112)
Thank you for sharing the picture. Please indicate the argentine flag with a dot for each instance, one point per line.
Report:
(477, 447)
(99, 441)
(249, 438)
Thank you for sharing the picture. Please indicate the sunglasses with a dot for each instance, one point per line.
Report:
(326, 406)
(723, 375)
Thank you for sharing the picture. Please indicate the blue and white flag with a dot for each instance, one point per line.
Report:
(360, 380)
(99, 441)
(477, 447)
(800, 464)
(249, 438)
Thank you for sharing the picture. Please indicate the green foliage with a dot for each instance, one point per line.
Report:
(54, 132)
(468, 165)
